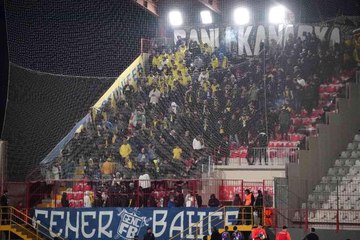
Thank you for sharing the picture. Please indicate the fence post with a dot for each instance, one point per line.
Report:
(337, 205)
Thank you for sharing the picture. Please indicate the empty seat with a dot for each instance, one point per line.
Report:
(332, 171)
(342, 171)
(345, 154)
(318, 188)
(351, 146)
(357, 138)
(354, 154)
(357, 162)
(339, 162)
(353, 170)
(349, 162)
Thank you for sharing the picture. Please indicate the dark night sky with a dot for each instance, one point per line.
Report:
(310, 10)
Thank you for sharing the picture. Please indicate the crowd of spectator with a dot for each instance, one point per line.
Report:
(195, 102)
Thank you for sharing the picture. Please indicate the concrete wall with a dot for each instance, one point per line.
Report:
(326, 147)
(297, 233)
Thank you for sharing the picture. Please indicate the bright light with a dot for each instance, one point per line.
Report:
(206, 17)
(175, 18)
(277, 14)
(241, 16)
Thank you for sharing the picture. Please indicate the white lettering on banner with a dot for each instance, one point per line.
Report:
(335, 36)
(211, 39)
(201, 218)
(231, 213)
(304, 29)
(320, 32)
(260, 37)
(85, 224)
(277, 36)
(190, 223)
(102, 228)
(159, 223)
(179, 32)
(248, 38)
(54, 224)
(213, 215)
(70, 227)
(179, 228)
(289, 30)
(243, 40)
(41, 212)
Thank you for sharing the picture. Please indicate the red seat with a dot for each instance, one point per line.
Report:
(331, 89)
(70, 196)
(271, 144)
(306, 121)
(322, 88)
(87, 188)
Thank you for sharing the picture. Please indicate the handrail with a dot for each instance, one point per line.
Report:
(15, 216)
(223, 210)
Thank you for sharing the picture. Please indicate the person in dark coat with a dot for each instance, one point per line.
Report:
(213, 201)
(149, 234)
(4, 203)
(312, 235)
(64, 200)
(215, 235)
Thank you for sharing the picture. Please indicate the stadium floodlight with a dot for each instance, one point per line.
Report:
(175, 18)
(277, 14)
(241, 16)
(206, 17)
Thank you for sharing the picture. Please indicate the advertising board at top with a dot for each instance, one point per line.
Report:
(248, 39)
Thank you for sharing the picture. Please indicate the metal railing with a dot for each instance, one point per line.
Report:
(220, 219)
(18, 220)
(273, 156)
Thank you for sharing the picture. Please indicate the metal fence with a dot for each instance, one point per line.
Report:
(273, 156)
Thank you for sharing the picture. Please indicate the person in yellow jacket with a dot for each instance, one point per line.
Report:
(214, 62)
(107, 169)
(177, 151)
(125, 150)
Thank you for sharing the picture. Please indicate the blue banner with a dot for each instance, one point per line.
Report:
(127, 223)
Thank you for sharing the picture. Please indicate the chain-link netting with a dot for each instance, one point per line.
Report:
(209, 94)
(41, 109)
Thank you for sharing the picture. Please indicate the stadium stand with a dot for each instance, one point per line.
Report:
(197, 102)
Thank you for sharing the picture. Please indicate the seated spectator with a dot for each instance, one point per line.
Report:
(213, 201)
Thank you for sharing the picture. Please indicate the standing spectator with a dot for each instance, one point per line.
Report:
(237, 235)
(249, 202)
(142, 159)
(171, 202)
(177, 151)
(213, 201)
(179, 199)
(87, 200)
(225, 235)
(154, 95)
(125, 150)
(198, 146)
(259, 199)
(145, 184)
(64, 200)
(215, 235)
(237, 200)
(312, 235)
(258, 233)
(107, 169)
(284, 121)
(283, 234)
(149, 234)
(4, 203)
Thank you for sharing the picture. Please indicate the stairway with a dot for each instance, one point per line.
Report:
(21, 231)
